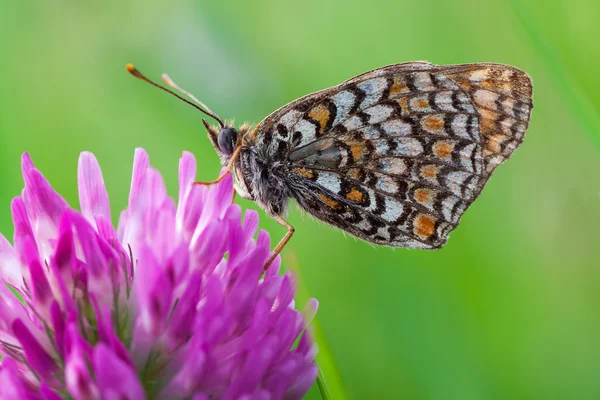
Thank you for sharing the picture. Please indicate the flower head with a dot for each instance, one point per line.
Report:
(152, 309)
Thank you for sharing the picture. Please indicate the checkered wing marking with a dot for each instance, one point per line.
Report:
(396, 155)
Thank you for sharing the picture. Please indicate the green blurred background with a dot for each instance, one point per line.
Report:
(509, 309)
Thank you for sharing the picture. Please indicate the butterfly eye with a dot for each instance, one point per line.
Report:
(227, 139)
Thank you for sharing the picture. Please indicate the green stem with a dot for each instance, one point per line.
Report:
(329, 380)
(322, 384)
(332, 387)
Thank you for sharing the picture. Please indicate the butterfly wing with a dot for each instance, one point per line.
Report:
(396, 155)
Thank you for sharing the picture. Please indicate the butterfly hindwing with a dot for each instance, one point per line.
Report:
(396, 155)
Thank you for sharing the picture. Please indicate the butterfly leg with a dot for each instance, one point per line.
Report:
(228, 169)
(283, 241)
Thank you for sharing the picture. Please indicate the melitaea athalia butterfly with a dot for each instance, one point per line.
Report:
(393, 156)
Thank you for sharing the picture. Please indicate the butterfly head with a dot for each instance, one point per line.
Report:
(226, 138)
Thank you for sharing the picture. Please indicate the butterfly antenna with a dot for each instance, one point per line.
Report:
(169, 82)
(199, 106)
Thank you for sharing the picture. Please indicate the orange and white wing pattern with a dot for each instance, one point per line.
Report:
(396, 155)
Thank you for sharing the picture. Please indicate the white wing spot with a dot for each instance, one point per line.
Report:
(373, 89)
(370, 132)
(383, 232)
(479, 75)
(465, 156)
(307, 130)
(454, 181)
(386, 184)
(371, 195)
(459, 125)
(363, 225)
(330, 181)
(378, 113)
(382, 147)
(395, 166)
(393, 210)
(443, 100)
(464, 102)
(422, 81)
(396, 127)
(344, 101)
(290, 118)
(508, 106)
(445, 83)
(353, 123)
(447, 206)
(486, 99)
(407, 147)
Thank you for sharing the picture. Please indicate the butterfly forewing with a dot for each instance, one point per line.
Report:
(396, 155)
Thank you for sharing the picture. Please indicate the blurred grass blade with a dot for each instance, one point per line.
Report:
(322, 383)
(329, 379)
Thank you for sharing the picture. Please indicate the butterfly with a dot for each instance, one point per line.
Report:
(393, 156)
